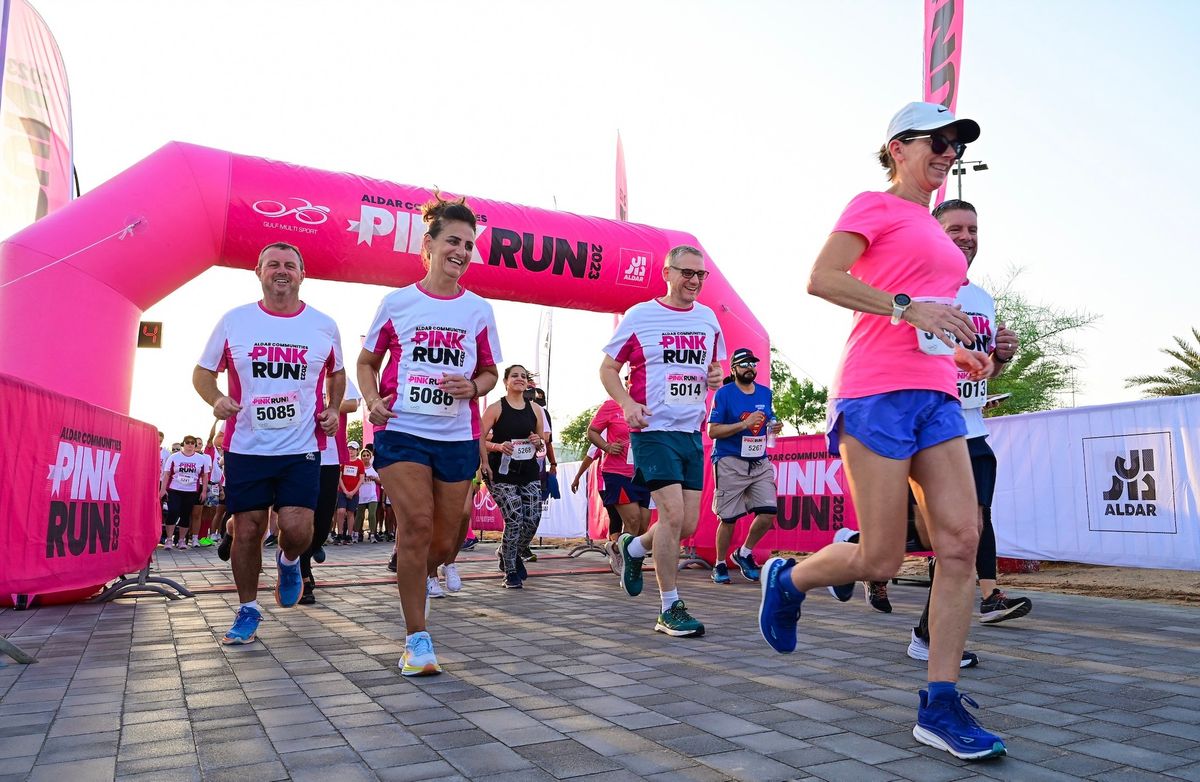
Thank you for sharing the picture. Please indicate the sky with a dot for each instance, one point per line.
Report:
(749, 125)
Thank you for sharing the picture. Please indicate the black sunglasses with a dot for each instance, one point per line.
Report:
(690, 273)
(939, 143)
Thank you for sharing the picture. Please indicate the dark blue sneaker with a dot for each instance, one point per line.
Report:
(244, 627)
(630, 567)
(289, 584)
(778, 613)
(946, 724)
(843, 592)
(720, 574)
(522, 573)
(319, 555)
(469, 544)
(747, 566)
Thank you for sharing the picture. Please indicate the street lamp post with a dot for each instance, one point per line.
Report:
(960, 168)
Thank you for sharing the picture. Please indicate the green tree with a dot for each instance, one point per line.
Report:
(1047, 361)
(354, 430)
(1179, 379)
(574, 434)
(799, 403)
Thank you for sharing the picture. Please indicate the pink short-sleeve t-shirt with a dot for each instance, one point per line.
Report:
(907, 252)
(610, 421)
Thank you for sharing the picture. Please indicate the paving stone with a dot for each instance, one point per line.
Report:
(746, 765)
(484, 759)
(93, 770)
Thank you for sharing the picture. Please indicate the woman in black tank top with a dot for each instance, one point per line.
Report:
(511, 437)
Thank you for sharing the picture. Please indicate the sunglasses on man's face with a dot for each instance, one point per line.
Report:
(939, 144)
(748, 365)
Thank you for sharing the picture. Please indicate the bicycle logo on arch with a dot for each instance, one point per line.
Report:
(306, 212)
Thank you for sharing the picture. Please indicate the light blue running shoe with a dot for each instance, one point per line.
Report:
(289, 585)
(778, 613)
(747, 566)
(720, 574)
(946, 724)
(244, 627)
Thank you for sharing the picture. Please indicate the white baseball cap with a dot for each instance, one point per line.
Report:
(352, 444)
(926, 117)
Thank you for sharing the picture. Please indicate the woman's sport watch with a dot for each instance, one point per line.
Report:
(900, 302)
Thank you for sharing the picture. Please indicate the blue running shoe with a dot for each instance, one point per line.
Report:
(418, 658)
(843, 592)
(946, 724)
(747, 566)
(720, 574)
(319, 555)
(244, 627)
(778, 613)
(289, 585)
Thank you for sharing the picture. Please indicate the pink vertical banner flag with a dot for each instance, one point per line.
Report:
(35, 120)
(942, 66)
(622, 185)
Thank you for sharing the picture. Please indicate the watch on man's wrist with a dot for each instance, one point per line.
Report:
(900, 303)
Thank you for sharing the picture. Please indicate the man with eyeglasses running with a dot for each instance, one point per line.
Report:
(738, 425)
(674, 348)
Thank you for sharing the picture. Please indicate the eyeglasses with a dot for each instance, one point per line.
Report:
(939, 144)
(688, 274)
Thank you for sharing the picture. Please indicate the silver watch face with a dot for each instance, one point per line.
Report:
(901, 300)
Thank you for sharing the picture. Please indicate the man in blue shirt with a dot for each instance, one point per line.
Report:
(740, 421)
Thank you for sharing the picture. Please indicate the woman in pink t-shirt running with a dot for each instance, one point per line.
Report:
(894, 416)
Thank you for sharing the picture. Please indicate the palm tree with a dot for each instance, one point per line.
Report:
(1181, 378)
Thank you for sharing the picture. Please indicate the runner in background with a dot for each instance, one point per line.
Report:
(347, 499)
(214, 501)
(674, 349)
(367, 516)
(281, 355)
(741, 420)
(442, 345)
(511, 436)
(894, 416)
(623, 492)
(184, 481)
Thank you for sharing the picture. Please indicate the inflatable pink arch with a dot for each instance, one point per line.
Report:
(73, 285)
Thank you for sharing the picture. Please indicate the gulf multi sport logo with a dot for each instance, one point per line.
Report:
(384, 218)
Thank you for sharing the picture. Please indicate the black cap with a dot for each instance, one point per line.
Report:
(742, 356)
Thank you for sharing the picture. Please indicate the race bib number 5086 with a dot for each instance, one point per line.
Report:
(423, 396)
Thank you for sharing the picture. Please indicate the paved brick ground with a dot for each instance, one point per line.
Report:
(567, 680)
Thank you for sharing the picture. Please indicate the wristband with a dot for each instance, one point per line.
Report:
(998, 360)
(475, 386)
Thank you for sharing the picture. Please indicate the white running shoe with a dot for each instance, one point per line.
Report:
(919, 650)
(169, 544)
(418, 658)
(453, 580)
(433, 588)
(195, 542)
(183, 546)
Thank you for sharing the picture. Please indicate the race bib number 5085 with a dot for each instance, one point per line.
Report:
(275, 411)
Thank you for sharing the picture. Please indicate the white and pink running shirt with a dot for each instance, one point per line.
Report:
(335, 451)
(980, 307)
(186, 471)
(425, 337)
(277, 367)
(668, 351)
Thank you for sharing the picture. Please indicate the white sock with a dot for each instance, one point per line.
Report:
(743, 552)
(252, 604)
(636, 549)
(669, 598)
(289, 562)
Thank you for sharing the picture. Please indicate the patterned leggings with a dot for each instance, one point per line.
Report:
(521, 507)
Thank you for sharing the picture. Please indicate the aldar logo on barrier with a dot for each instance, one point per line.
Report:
(85, 508)
(635, 268)
(1130, 482)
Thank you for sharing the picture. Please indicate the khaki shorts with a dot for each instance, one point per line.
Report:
(743, 487)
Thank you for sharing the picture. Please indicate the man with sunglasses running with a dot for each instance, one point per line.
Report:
(739, 423)
(674, 348)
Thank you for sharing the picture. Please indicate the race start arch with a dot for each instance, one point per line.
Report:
(73, 286)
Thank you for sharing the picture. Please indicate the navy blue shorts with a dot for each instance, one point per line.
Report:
(896, 424)
(262, 482)
(622, 490)
(451, 461)
(347, 503)
(667, 458)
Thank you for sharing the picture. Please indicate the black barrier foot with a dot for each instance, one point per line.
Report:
(585, 548)
(145, 585)
(688, 558)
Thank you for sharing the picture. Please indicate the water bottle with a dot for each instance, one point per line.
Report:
(771, 433)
